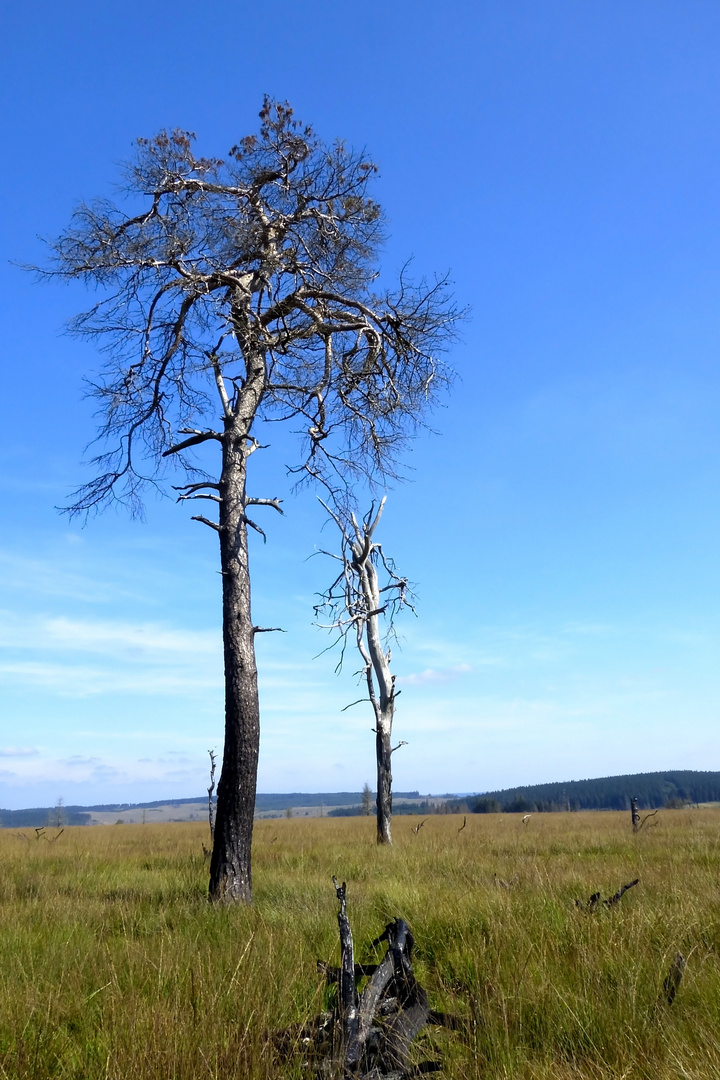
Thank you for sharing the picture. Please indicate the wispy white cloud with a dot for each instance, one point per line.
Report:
(109, 769)
(71, 680)
(435, 675)
(80, 657)
(47, 578)
(120, 639)
(591, 629)
(19, 751)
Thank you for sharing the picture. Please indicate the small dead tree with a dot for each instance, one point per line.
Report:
(235, 294)
(637, 821)
(211, 791)
(635, 814)
(352, 607)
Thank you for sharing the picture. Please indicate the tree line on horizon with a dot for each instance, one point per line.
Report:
(673, 789)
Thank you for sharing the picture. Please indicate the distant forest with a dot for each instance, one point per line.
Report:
(41, 816)
(423, 807)
(652, 790)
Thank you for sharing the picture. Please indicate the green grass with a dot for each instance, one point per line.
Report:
(113, 964)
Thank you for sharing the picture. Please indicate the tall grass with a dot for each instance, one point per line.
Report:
(113, 964)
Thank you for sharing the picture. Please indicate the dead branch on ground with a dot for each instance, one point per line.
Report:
(595, 901)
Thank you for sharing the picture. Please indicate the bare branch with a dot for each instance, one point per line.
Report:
(370, 529)
(255, 526)
(206, 521)
(220, 383)
(196, 487)
(199, 495)
(194, 440)
(275, 503)
(359, 700)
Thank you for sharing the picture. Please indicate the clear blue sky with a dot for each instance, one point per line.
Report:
(562, 160)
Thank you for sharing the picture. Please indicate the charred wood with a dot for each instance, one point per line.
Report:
(369, 1035)
(595, 901)
(673, 978)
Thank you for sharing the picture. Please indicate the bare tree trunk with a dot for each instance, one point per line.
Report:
(383, 702)
(230, 867)
(383, 752)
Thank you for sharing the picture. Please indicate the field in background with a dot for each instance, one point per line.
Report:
(112, 964)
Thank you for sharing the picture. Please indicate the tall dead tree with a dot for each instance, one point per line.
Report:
(353, 606)
(235, 294)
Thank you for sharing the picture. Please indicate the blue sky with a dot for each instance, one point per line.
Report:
(562, 161)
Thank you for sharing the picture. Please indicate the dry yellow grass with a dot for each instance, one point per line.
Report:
(112, 963)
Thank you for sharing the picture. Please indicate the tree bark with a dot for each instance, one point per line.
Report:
(383, 752)
(230, 867)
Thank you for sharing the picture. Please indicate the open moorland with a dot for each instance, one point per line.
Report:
(113, 964)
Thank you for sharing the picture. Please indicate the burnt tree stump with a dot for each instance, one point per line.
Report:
(369, 1034)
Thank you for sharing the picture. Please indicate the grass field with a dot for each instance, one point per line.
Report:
(112, 963)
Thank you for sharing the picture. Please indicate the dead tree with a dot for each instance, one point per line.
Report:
(207, 852)
(366, 800)
(352, 607)
(210, 791)
(637, 822)
(244, 289)
(635, 814)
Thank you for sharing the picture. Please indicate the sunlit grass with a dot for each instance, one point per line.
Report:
(113, 964)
